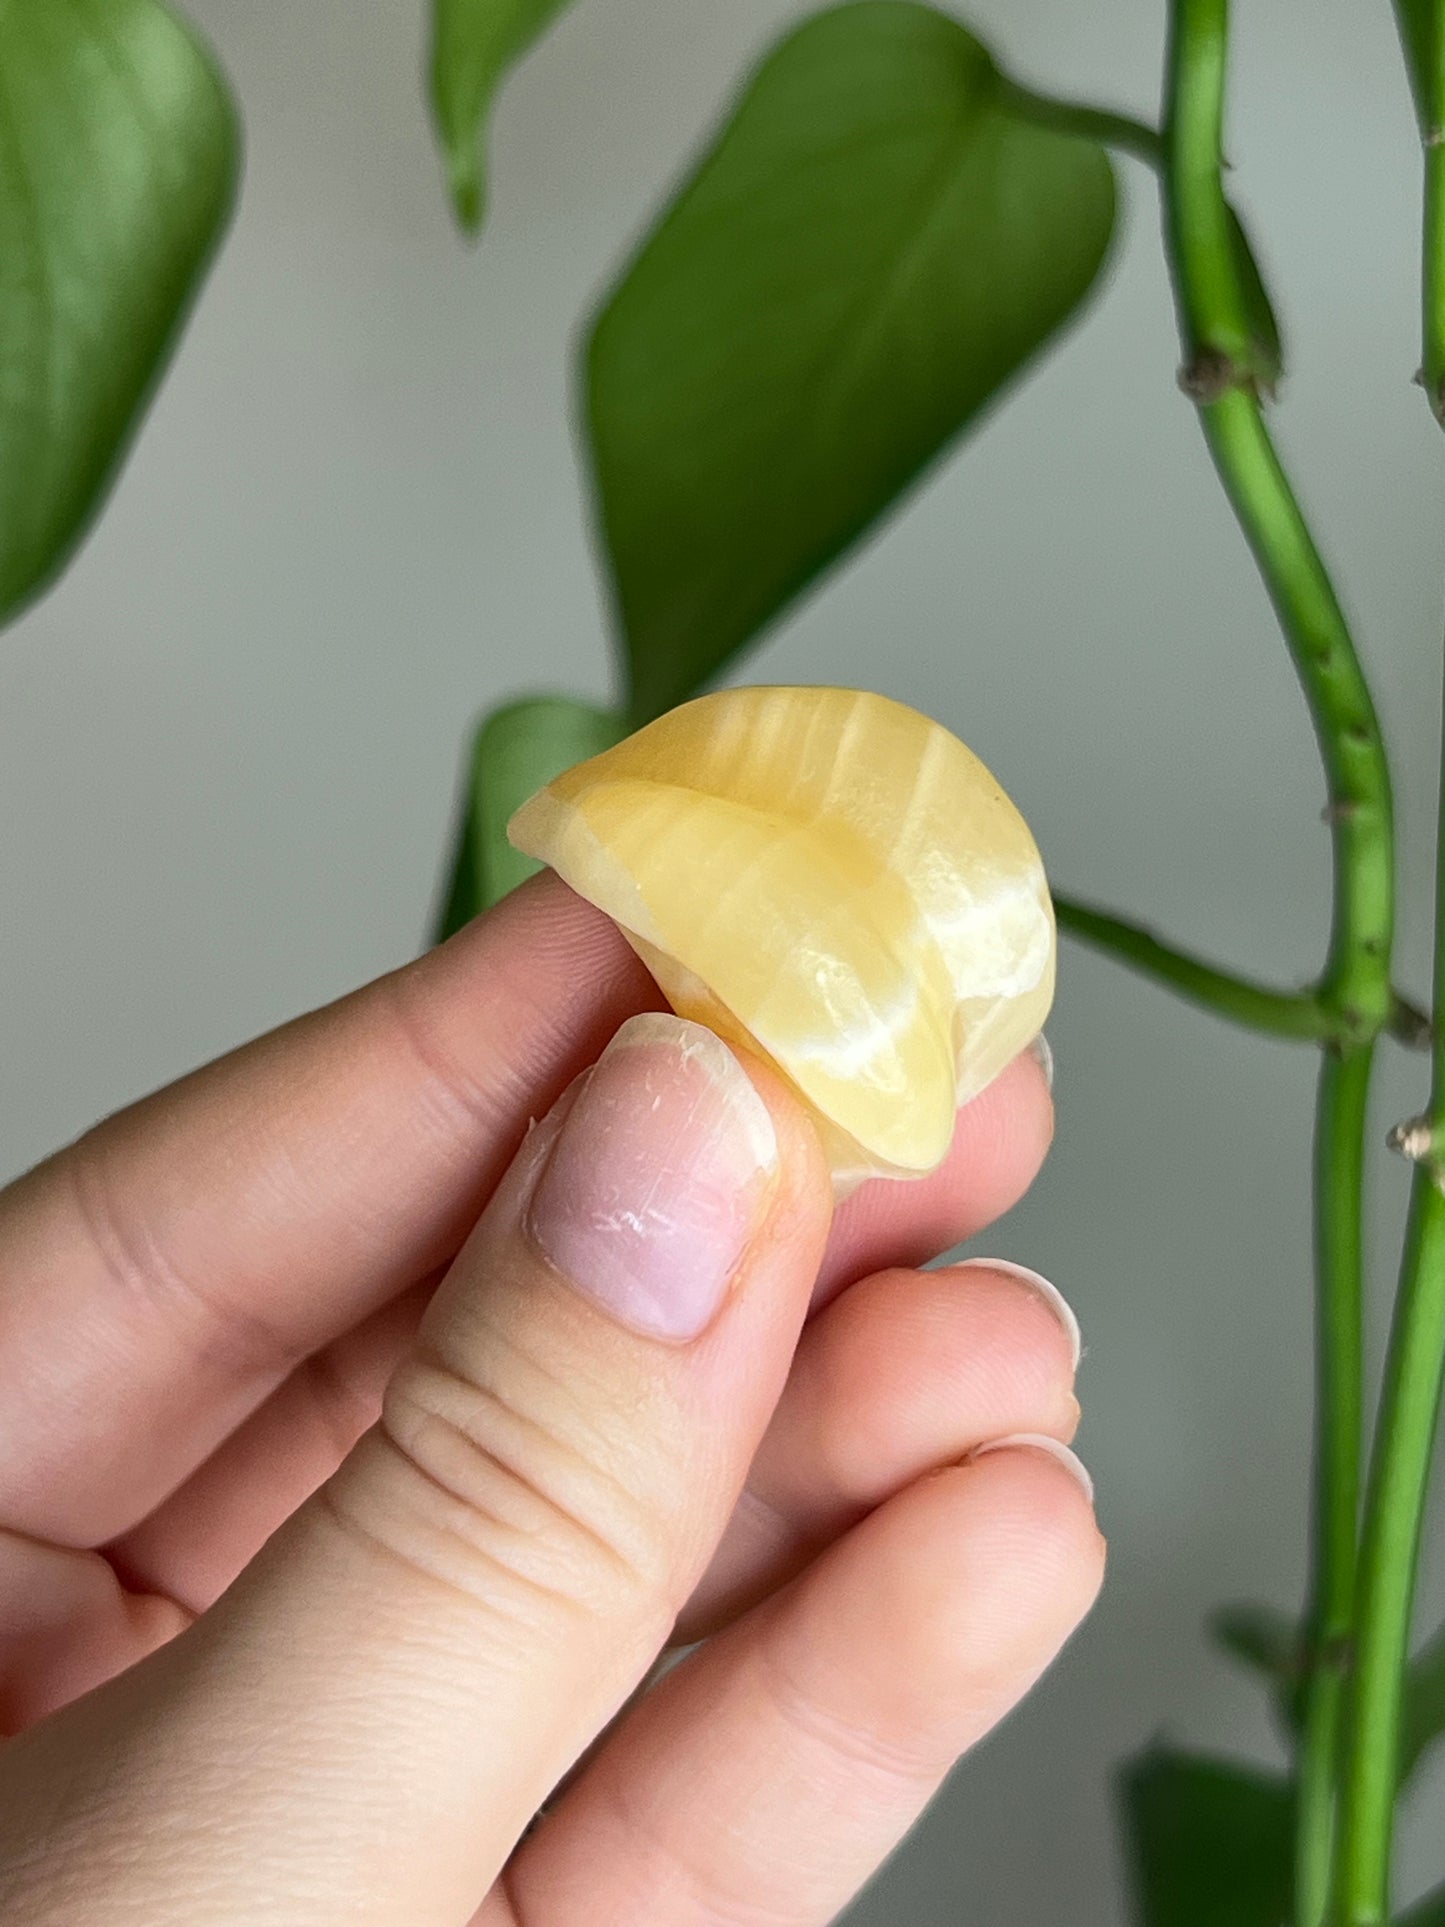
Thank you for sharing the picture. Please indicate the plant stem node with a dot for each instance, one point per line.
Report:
(1410, 1025)
(1337, 1653)
(1414, 1139)
(1210, 375)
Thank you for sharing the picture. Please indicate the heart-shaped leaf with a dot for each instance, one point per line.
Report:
(877, 241)
(1210, 1842)
(474, 42)
(516, 750)
(118, 154)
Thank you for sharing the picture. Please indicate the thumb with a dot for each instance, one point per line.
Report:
(362, 1727)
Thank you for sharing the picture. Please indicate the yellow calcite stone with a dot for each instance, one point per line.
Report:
(831, 880)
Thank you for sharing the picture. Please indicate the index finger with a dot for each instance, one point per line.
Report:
(162, 1275)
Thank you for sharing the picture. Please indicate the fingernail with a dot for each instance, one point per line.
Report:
(1042, 1052)
(658, 1179)
(1041, 1442)
(1050, 1293)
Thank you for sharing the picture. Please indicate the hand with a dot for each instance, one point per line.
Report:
(272, 1657)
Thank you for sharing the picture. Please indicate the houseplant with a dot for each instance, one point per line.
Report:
(921, 108)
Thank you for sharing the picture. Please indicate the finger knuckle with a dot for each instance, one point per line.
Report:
(504, 1506)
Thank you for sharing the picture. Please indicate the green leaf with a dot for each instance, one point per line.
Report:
(1210, 1842)
(1261, 1636)
(877, 241)
(1424, 1707)
(1416, 21)
(118, 161)
(474, 42)
(516, 750)
(1429, 1912)
(1258, 309)
(1269, 1643)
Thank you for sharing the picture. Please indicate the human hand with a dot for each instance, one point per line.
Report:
(268, 1659)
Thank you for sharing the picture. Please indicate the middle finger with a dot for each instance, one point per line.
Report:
(903, 1374)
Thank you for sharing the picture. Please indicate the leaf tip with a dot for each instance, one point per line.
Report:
(467, 190)
(469, 205)
(459, 133)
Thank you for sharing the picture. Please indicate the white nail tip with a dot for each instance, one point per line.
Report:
(1041, 1442)
(695, 1043)
(1042, 1052)
(1048, 1291)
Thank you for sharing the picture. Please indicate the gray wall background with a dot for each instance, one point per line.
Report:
(229, 740)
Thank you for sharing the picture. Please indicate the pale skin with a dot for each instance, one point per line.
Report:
(272, 1657)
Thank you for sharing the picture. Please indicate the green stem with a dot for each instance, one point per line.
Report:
(1356, 982)
(1278, 1013)
(1120, 131)
(1415, 1365)
(1422, 32)
(1389, 1560)
(1395, 1509)
(1223, 375)
(1218, 347)
(1298, 1014)
(1213, 311)
(1340, 1122)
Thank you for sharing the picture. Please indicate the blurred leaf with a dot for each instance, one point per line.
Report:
(1424, 1707)
(1258, 308)
(1269, 1642)
(1416, 21)
(474, 42)
(464, 883)
(876, 242)
(118, 160)
(516, 750)
(1210, 1842)
(1263, 1637)
(1429, 1912)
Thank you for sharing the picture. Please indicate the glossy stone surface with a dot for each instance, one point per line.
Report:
(831, 880)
